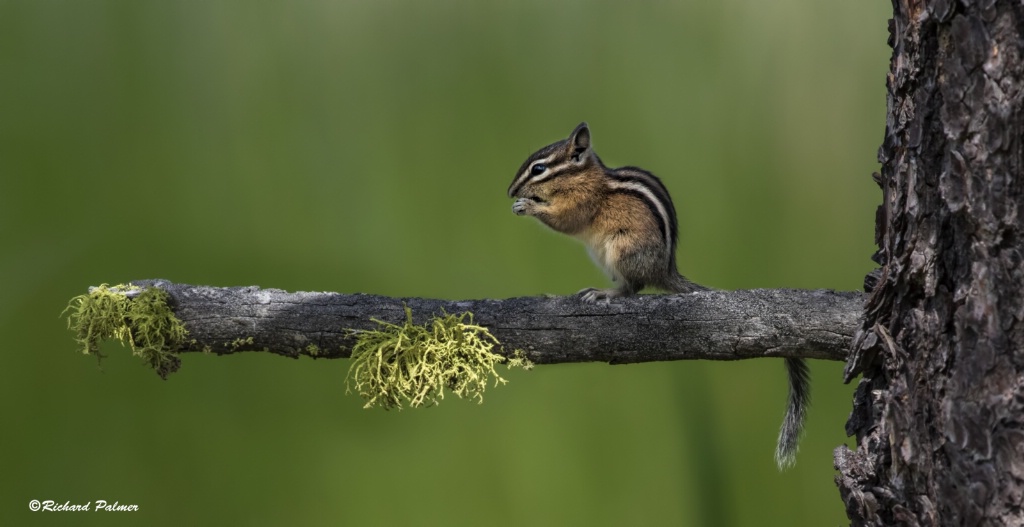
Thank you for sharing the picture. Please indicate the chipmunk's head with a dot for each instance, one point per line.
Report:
(557, 167)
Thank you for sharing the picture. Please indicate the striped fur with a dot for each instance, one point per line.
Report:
(649, 189)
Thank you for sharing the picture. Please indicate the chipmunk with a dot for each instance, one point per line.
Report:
(627, 221)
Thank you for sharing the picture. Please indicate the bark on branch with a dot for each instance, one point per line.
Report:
(717, 325)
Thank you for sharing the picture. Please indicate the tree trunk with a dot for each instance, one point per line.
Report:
(939, 413)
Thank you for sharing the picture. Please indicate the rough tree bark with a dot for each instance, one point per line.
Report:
(939, 413)
(718, 325)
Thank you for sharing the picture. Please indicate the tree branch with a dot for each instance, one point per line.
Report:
(715, 325)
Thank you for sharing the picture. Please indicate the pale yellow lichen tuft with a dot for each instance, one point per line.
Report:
(136, 317)
(242, 343)
(414, 364)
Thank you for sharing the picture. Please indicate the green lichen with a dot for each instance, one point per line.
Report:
(138, 318)
(240, 343)
(519, 360)
(313, 350)
(413, 364)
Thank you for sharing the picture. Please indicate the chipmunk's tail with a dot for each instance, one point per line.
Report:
(796, 411)
(678, 283)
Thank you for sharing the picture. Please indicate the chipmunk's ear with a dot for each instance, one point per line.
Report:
(579, 143)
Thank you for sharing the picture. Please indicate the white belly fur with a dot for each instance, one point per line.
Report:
(602, 251)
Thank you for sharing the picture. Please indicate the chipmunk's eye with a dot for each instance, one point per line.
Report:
(538, 169)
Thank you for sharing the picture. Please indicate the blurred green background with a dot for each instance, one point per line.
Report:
(366, 147)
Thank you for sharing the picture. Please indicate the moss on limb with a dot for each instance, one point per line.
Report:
(413, 364)
(392, 366)
(136, 317)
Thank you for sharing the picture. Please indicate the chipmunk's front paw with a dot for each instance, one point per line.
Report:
(523, 206)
